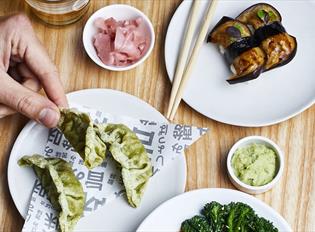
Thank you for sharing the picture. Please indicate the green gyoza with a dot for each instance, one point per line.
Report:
(78, 129)
(64, 190)
(90, 141)
(130, 153)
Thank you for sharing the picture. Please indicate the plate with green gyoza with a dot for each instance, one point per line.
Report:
(33, 139)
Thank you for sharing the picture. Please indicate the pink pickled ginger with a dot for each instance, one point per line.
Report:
(121, 43)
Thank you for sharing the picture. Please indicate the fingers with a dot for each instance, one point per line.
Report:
(21, 73)
(29, 80)
(27, 48)
(5, 111)
(40, 64)
(27, 102)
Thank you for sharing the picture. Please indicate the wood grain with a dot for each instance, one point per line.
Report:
(293, 197)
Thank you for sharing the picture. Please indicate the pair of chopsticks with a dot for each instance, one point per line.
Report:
(182, 73)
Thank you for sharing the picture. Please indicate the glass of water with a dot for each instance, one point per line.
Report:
(59, 12)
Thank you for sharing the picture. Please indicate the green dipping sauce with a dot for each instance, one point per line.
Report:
(255, 164)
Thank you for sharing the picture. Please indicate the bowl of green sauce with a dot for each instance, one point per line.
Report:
(255, 164)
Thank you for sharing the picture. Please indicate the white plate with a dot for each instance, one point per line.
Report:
(117, 215)
(170, 215)
(275, 96)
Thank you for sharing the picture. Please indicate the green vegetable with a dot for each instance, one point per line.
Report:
(272, 16)
(216, 214)
(261, 225)
(261, 14)
(233, 217)
(239, 216)
(197, 223)
(187, 227)
(64, 190)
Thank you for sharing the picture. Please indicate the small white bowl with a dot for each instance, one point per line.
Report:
(248, 188)
(118, 12)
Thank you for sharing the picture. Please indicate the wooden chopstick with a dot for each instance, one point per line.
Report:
(194, 56)
(183, 55)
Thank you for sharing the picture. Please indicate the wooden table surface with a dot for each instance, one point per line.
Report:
(293, 197)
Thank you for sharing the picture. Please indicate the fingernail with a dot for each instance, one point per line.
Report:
(48, 117)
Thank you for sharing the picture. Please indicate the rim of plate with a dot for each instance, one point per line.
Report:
(24, 132)
(229, 122)
(183, 195)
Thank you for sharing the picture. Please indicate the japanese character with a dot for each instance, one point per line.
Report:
(182, 132)
(39, 189)
(147, 138)
(48, 205)
(81, 162)
(99, 121)
(66, 144)
(120, 193)
(98, 113)
(94, 203)
(94, 180)
(39, 214)
(144, 122)
(104, 164)
(161, 148)
(79, 175)
(51, 221)
(111, 179)
(163, 130)
(34, 228)
(48, 150)
(58, 154)
(155, 170)
(54, 136)
(160, 158)
(64, 155)
(177, 148)
(73, 157)
(202, 131)
(162, 139)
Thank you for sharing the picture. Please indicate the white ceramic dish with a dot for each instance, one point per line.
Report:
(245, 142)
(117, 215)
(119, 12)
(275, 96)
(170, 215)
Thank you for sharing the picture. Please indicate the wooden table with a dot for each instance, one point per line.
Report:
(293, 197)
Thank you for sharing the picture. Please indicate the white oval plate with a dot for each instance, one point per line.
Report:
(117, 215)
(170, 215)
(275, 96)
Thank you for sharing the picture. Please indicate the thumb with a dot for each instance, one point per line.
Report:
(27, 102)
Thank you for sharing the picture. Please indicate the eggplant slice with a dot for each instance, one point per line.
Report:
(228, 31)
(240, 52)
(247, 66)
(279, 47)
(254, 42)
(259, 15)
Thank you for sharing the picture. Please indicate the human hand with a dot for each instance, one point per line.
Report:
(24, 69)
